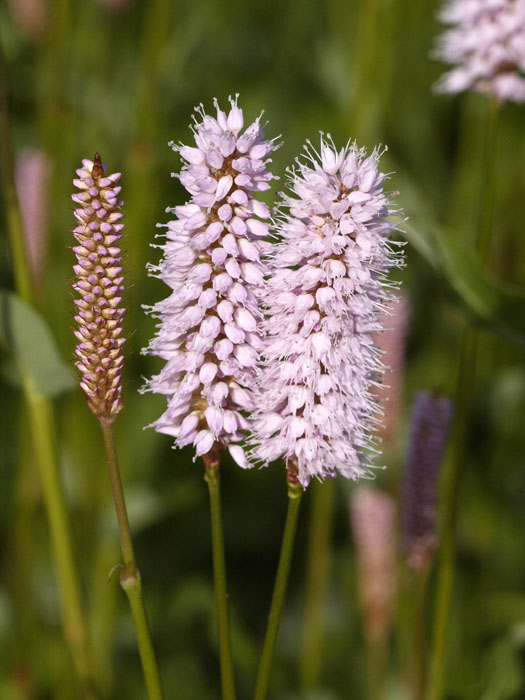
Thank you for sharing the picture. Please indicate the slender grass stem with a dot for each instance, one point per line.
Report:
(488, 181)
(130, 575)
(377, 666)
(279, 592)
(450, 498)
(364, 113)
(42, 428)
(147, 114)
(211, 476)
(15, 230)
(317, 573)
(75, 628)
(419, 637)
(453, 468)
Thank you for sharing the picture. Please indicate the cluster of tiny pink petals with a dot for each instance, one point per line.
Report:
(324, 295)
(208, 330)
(486, 45)
(99, 284)
(373, 517)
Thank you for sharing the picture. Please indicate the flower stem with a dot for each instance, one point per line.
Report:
(377, 666)
(130, 574)
(41, 425)
(211, 476)
(75, 629)
(451, 478)
(419, 637)
(317, 571)
(15, 230)
(464, 391)
(279, 591)
(488, 181)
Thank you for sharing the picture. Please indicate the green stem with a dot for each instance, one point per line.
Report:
(377, 657)
(147, 118)
(364, 114)
(450, 498)
(130, 575)
(419, 638)
(317, 571)
(211, 476)
(42, 432)
(15, 229)
(41, 424)
(453, 469)
(21, 552)
(488, 181)
(279, 591)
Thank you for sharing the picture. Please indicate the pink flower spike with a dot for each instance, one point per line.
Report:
(485, 44)
(373, 518)
(210, 245)
(324, 297)
(32, 175)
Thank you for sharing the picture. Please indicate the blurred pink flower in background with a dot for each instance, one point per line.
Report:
(486, 44)
(30, 16)
(373, 519)
(32, 175)
(392, 342)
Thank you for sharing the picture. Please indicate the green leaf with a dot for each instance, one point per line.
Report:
(502, 670)
(493, 303)
(31, 347)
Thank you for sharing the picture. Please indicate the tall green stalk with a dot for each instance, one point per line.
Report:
(377, 666)
(15, 230)
(211, 476)
(317, 574)
(130, 575)
(449, 514)
(75, 629)
(42, 428)
(488, 181)
(365, 112)
(281, 582)
(419, 635)
(465, 388)
(142, 149)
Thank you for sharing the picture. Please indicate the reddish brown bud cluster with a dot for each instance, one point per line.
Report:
(99, 284)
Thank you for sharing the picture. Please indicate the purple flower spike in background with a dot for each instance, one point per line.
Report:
(486, 43)
(208, 329)
(429, 432)
(99, 285)
(325, 294)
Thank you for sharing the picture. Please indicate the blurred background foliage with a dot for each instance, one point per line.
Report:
(123, 78)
